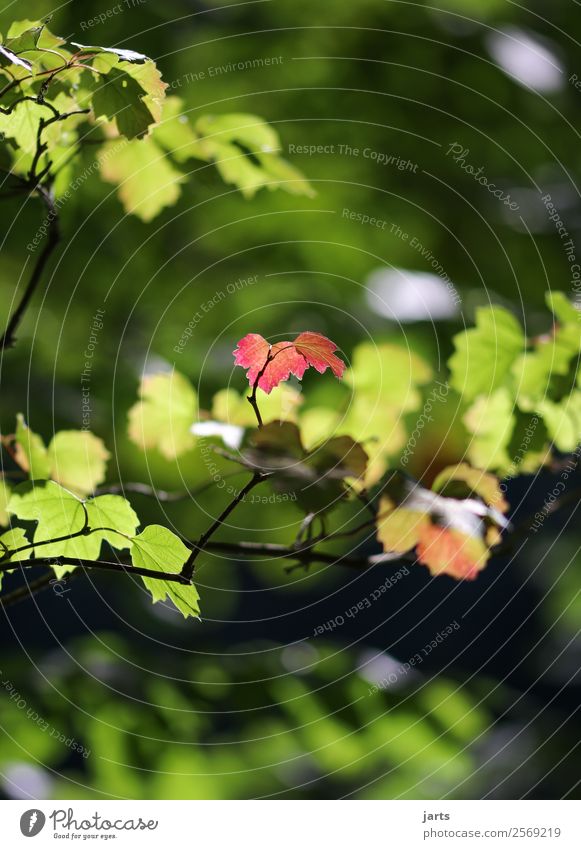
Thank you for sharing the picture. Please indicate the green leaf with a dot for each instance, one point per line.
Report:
(78, 460)
(164, 416)
(22, 125)
(158, 548)
(485, 353)
(562, 308)
(56, 511)
(120, 98)
(10, 541)
(281, 405)
(5, 491)
(147, 180)
(491, 421)
(245, 151)
(542, 372)
(563, 420)
(387, 374)
(175, 133)
(106, 511)
(31, 453)
(29, 34)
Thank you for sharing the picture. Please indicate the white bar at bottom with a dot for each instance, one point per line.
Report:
(293, 824)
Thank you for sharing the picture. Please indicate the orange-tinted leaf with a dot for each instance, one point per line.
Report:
(399, 529)
(451, 535)
(448, 552)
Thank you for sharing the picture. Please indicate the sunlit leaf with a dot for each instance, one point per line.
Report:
(56, 511)
(485, 353)
(78, 460)
(158, 548)
(147, 180)
(5, 491)
(163, 417)
(491, 421)
(280, 405)
(30, 451)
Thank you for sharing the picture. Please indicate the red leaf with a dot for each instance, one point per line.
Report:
(251, 353)
(285, 358)
(318, 351)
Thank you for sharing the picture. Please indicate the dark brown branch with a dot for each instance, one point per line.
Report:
(304, 555)
(202, 543)
(160, 495)
(53, 237)
(27, 590)
(106, 565)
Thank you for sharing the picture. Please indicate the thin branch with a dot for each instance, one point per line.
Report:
(106, 565)
(304, 555)
(8, 338)
(201, 544)
(27, 590)
(160, 495)
(252, 397)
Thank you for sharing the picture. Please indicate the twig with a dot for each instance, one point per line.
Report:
(53, 237)
(201, 544)
(106, 565)
(159, 494)
(304, 555)
(24, 592)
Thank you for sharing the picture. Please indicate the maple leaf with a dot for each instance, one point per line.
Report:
(268, 365)
(318, 351)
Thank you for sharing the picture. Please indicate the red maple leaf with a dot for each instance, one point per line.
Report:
(318, 351)
(271, 364)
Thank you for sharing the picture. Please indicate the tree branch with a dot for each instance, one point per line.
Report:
(24, 592)
(304, 555)
(106, 565)
(200, 545)
(53, 237)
